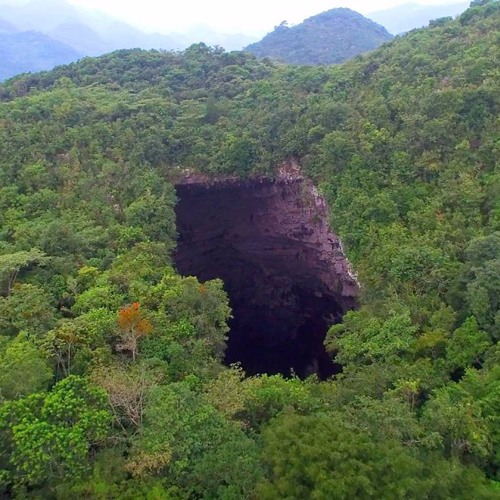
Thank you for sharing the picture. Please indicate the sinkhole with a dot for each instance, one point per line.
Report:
(285, 272)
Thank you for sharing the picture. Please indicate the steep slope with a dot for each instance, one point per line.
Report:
(30, 51)
(328, 38)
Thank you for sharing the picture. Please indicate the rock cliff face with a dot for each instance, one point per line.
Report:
(285, 272)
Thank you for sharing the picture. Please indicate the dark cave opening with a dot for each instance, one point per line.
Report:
(285, 272)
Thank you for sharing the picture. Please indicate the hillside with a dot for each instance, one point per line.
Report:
(328, 38)
(118, 173)
(29, 51)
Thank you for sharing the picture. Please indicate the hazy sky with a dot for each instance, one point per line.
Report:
(251, 17)
(247, 16)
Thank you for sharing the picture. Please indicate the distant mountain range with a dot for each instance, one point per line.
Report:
(31, 51)
(409, 16)
(328, 38)
(66, 33)
(41, 34)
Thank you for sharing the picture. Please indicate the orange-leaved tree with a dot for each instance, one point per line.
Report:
(133, 326)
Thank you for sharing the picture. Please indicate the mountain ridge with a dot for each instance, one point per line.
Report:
(68, 33)
(330, 37)
(108, 33)
(39, 53)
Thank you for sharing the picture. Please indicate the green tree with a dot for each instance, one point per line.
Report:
(154, 215)
(46, 437)
(11, 265)
(326, 456)
(321, 457)
(23, 370)
(190, 322)
(190, 443)
(363, 338)
(458, 419)
(29, 309)
(467, 345)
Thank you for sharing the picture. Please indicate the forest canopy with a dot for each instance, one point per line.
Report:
(112, 383)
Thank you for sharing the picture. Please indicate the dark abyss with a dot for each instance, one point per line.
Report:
(264, 240)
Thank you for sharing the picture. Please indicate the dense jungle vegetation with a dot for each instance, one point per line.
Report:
(111, 381)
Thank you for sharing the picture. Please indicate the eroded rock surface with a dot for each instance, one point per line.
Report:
(286, 273)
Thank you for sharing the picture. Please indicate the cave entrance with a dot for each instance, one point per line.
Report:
(285, 272)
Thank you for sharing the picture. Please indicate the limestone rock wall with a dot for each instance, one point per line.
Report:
(284, 269)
